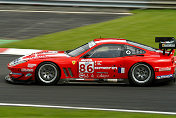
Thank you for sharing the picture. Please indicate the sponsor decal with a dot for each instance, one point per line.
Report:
(121, 70)
(31, 65)
(28, 75)
(106, 68)
(91, 79)
(102, 76)
(50, 52)
(164, 76)
(165, 69)
(35, 57)
(82, 75)
(91, 44)
(128, 52)
(103, 72)
(98, 63)
(73, 62)
(27, 70)
(168, 45)
(16, 73)
(87, 66)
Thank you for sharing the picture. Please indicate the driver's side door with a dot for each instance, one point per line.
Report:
(102, 62)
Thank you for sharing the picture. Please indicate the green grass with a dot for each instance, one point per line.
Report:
(7, 41)
(32, 112)
(142, 27)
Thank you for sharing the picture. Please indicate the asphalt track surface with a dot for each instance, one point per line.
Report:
(25, 25)
(118, 96)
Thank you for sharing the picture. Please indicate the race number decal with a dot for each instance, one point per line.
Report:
(86, 67)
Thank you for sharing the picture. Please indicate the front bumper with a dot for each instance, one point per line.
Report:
(10, 79)
(7, 78)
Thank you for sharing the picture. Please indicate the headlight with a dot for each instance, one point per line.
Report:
(17, 61)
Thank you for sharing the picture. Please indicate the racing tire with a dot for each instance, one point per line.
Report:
(141, 75)
(47, 73)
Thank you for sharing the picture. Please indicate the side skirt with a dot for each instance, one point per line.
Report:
(68, 80)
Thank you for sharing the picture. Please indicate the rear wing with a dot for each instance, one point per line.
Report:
(166, 43)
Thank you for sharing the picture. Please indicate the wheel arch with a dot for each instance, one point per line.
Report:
(141, 63)
(48, 62)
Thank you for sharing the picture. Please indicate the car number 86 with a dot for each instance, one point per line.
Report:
(86, 67)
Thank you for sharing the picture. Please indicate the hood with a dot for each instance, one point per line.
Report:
(39, 55)
(45, 54)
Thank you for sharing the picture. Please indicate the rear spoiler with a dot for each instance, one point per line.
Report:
(166, 43)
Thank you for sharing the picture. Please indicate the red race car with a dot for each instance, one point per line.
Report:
(101, 60)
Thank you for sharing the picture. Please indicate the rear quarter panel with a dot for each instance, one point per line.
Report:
(155, 61)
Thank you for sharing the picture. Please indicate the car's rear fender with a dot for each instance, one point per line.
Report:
(163, 67)
(155, 62)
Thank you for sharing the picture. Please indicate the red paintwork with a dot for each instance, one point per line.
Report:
(154, 59)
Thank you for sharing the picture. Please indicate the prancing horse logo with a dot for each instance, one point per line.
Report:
(73, 62)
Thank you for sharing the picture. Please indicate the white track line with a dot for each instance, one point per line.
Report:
(64, 12)
(87, 108)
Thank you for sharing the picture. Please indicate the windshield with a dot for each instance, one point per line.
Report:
(81, 49)
(142, 46)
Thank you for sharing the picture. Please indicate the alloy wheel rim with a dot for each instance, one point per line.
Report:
(47, 73)
(141, 73)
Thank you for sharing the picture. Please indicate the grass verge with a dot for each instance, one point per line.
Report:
(141, 27)
(32, 112)
(6, 41)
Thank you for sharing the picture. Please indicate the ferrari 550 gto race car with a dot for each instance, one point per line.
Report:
(105, 59)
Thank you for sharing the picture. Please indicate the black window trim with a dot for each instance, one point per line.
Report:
(134, 47)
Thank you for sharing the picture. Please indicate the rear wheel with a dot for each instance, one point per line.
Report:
(47, 73)
(141, 75)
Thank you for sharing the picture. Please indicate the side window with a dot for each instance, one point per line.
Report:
(130, 50)
(106, 51)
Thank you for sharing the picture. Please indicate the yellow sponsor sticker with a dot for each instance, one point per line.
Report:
(73, 62)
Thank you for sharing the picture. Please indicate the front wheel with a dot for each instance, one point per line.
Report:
(141, 75)
(47, 73)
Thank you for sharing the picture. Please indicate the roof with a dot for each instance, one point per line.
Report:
(103, 40)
